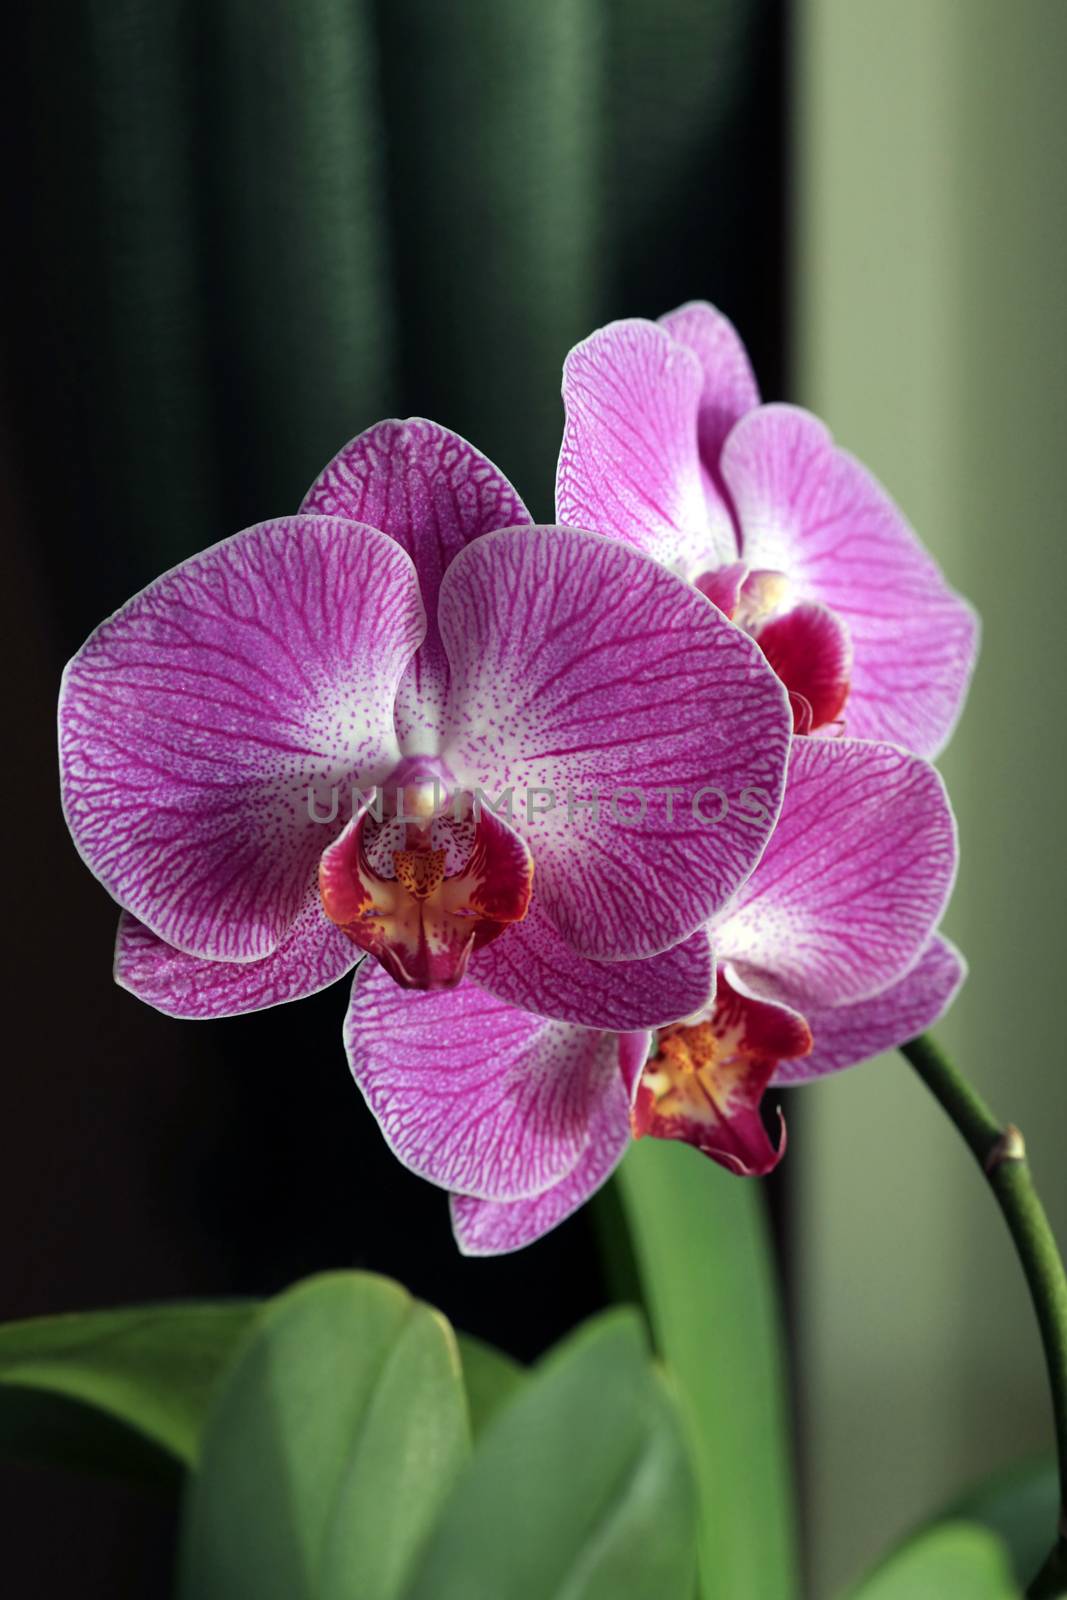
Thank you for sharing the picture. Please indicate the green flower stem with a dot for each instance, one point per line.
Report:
(1001, 1154)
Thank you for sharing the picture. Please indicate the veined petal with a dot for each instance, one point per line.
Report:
(312, 955)
(194, 721)
(706, 1081)
(853, 881)
(493, 1227)
(535, 968)
(472, 1093)
(433, 492)
(811, 510)
(846, 1035)
(583, 672)
(629, 464)
(730, 390)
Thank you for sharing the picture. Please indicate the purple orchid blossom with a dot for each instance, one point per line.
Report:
(827, 955)
(667, 447)
(411, 633)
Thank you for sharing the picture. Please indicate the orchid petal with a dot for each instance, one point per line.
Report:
(629, 465)
(582, 672)
(811, 510)
(853, 881)
(194, 721)
(846, 1035)
(469, 1092)
(730, 390)
(312, 955)
(433, 492)
(491, 1227)
(723, 586)
(535, 968)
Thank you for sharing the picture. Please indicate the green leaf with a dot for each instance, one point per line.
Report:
(956, 1558)
(703, 1255)
(1022, 1506)
(122, 1391)
(580, 1489)
(333, 1441)
(489, 1376)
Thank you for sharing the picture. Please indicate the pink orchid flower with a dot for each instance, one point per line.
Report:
(411, 634)
(826, 956)
(667, 447)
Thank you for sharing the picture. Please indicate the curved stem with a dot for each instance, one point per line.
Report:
(1001, 1154)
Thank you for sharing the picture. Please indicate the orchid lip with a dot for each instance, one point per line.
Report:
(422, 889)
(807, 645)
(705, 1081)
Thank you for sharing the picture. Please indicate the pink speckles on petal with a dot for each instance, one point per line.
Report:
(470, 1092)
(490, 1227)
(312, 955)
(534, 967)
(630, 465)
(193, 721)
(853, 881)
(812, 511)
(432, 492)
(845, 1035)
(583, 672)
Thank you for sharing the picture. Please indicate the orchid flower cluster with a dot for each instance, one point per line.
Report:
(619, 822)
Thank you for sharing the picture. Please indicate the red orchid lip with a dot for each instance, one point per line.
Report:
(425, 888)
(706, 1080)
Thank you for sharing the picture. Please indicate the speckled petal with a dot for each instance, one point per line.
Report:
(847, 1035)
(533, 967)
(810, 510)
(491, 1228)
(853, 881)
(433, 492)
(193, 721)
(583, 672)
(471, 1093)
(312, 955)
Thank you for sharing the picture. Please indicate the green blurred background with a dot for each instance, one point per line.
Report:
(930, 208)
(241, 232)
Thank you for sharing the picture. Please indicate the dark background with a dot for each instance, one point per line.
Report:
(242, 232)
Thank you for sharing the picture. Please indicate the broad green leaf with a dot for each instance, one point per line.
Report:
(703, 1255)
(1023, 1507)
(115, 1390)
(580, 1488)
(489, 1376)
(954, 1559)
(334, 1439)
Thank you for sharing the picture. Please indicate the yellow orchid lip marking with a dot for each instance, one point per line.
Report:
(681, 1075)
(420, 872)
(706, 1080)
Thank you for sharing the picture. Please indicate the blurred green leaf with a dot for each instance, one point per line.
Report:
(115, 1390)
(1022, 1506)
(703, 1254)
(334, 1439)
(580, 1488)
(953, 1559)
(490, 1378)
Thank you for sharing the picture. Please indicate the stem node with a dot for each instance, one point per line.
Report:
(1011, 1146)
